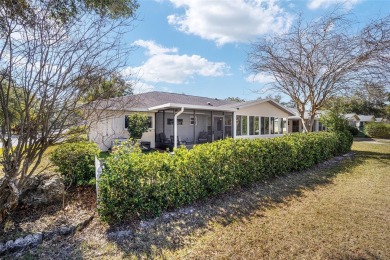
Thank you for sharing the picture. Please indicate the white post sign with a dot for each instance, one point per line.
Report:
(98, 172)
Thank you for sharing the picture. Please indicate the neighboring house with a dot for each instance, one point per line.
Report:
(177, 119)
(379, 119)
(295, 122)
(363, 119)
(352, 119)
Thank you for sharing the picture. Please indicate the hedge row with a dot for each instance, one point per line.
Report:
(377, 130)
(136, 184)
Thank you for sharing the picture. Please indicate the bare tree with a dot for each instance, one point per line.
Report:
(317, 60)
(44, 66)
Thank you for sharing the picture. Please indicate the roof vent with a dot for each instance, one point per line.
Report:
(208, 103)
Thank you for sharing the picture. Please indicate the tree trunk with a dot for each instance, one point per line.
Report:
(9, 197)
(302, 115)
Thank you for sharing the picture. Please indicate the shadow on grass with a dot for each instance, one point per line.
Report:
(169, 231)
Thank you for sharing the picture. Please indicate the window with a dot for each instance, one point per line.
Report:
(264, 125)
(272, 124)
(193, 120)
(257, 125)
(276, 125)
(228, 125)
(171, 120)
(244, 125)
(126, 122)
(238, 125)
(283, 127)
(251, 125)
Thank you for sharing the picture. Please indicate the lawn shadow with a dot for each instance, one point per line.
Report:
(171, 230)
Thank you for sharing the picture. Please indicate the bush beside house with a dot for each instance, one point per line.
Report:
(76, 162)
(377, 130)
(136, 184)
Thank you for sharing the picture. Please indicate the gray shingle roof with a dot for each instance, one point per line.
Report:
(144, 101)
(156, 98)
(365, 118)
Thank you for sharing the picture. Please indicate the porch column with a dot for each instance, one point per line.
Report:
(175, 127)
(212, 129)
(195, 121)
(234, 125)
(223, 125)
(163, 122)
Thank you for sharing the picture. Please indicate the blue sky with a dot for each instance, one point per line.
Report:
(199, 47)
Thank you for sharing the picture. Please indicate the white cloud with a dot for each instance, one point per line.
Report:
(230, 21)
(260, 78)
(174, 68)
(315, 4)
(153, 48)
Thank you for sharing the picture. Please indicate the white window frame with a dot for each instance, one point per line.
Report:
(193, 119)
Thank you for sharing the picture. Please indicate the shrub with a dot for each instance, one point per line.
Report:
(76, 162)
(136, 184)
(378, 130)
(353, 130)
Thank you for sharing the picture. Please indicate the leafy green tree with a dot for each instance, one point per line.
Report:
(334, 119)
(103, 86)
(137, 125)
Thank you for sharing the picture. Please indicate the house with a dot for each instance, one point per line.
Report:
(295, 122)
(352, 119)
(176, 119)
(363, 119)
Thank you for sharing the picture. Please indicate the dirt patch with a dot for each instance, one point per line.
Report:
(79, 205)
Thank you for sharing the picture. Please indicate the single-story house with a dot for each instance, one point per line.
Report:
(363, 119)
(352, 119)
(176, 119)
(295, 122)
(358, 121)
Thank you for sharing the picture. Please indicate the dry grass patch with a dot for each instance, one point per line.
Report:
(337, 210)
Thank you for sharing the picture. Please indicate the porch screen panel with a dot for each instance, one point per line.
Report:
(272, 124)
(238, 125)
(244, 125)
(257, 126)
(251, 125)
(266, 125)
(262, 127)
(276, 125)
(284, 126)
(228, 125)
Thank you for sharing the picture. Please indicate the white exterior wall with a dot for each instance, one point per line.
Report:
(265, 109)
(112, 126)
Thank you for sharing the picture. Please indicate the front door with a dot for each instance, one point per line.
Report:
(218, 127)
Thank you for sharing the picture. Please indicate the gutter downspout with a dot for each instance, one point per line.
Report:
(175, 127)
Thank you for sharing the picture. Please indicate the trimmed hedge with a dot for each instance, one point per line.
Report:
(76, 162)
(378, 130)
(136, 184)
